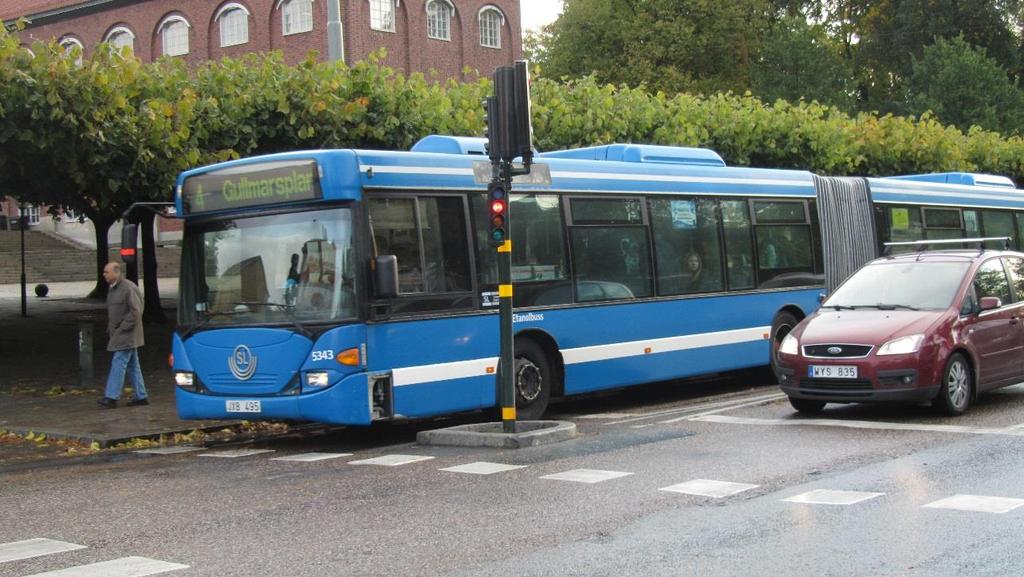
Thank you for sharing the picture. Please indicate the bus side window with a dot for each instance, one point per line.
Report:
(686, 245)
(739, 260)
(610, 249)
(782, 232)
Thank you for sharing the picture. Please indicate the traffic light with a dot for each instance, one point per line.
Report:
(491, 127)
(497, 203)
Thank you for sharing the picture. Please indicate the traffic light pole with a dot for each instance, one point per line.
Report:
(506, 364)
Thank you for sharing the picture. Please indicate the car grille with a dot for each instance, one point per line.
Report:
(836, 387)
(848, 351)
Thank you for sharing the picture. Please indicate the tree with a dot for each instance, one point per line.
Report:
(670, 45)
(800, 61)
(962, 86)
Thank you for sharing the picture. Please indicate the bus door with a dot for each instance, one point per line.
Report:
(427, 336)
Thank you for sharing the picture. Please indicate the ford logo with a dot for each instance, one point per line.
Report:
(242, 363)
(834, 350)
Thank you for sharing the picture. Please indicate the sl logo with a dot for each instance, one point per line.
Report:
(242, 363)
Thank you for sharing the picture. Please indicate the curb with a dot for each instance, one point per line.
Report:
(528, 434)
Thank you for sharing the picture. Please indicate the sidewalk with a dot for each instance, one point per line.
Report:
(39, 372)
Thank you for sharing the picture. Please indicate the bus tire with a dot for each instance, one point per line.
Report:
(532, 379)
(782, 324)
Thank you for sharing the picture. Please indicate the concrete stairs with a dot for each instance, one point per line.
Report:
(49, 258)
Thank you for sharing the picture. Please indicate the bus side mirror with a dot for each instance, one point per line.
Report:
(385, 276)
(129, 242)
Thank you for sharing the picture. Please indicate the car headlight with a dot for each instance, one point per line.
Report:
(789, 346)
(317, 379)
(184, 379)
(902, 345)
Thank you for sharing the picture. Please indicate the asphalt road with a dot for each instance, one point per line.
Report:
(192, 514)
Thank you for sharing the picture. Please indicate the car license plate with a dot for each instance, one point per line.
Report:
(243, 406)
(832, 372)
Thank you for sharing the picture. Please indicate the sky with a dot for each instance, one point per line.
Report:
(537, 13)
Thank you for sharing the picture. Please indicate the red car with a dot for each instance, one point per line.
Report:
(939, 326)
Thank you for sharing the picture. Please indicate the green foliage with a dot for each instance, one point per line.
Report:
(964, 87)
(801, 61)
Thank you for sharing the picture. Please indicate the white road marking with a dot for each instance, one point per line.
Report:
(236, 453)
(311, 457)
(484, 468)
(709, 488)
(30, 548)
(977, 503)
(392, 460)
(726, 404)
(769, 399)
(123, 567)
(879, 425)
(586, 476)
(608, 416)
(829, 497)
(169, 450)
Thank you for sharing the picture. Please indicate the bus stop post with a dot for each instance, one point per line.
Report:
(86, 373)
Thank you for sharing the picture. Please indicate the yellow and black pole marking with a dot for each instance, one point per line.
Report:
(506, 366)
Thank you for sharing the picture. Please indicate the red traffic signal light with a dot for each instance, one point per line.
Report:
(498, 204)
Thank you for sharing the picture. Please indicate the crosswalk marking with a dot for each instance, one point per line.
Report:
(709, 488)
(169, 450)
(977, 503)
(30, 548)
(391, 460)
(483, 468)
(586, 476)
(236, 453)
(311, 457)
(123, 567)
(829, 497)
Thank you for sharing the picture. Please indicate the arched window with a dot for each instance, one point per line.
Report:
(382, 15)
(296, 16)
(234, 24)
(120, 38)
(439, 19)
(73, 46)
(491, 21)
(173, 32)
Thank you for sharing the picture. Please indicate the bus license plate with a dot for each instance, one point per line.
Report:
(243, 406)
(832, 372)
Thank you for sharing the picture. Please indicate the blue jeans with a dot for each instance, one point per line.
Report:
(125, 360)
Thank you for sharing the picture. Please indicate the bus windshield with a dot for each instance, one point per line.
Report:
(283, 268)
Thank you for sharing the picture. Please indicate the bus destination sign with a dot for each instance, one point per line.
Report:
(251, 185)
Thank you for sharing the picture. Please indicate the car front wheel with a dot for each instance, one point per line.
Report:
(955, 391)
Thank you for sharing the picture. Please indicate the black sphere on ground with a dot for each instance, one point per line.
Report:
(42, 290)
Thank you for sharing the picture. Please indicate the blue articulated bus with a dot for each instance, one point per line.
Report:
(631, 264)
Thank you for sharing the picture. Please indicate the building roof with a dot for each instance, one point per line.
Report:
(13, 9)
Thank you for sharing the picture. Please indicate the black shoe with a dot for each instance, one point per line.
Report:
(107, 403)
(138, 402)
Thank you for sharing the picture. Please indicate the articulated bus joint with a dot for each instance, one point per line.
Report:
(381, 396)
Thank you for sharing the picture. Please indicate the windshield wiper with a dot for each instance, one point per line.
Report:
(288, 312)
(888, 307)
(839, 307)
(207, 317)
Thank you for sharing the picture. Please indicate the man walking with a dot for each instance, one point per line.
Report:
(124, 325)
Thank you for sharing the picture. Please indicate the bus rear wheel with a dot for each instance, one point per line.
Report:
(782, 324)
(532, 379)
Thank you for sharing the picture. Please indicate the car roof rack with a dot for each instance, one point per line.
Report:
(923, 244)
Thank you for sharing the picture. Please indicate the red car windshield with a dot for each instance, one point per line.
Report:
(901, 284)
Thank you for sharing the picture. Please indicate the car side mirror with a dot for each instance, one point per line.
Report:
(989, 303)
(385, 276)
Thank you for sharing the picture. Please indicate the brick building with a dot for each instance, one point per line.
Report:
(445, 36)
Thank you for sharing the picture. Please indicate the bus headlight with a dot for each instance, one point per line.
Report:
(184, 379)
(789, 346)
(317, 379)
(902, 345)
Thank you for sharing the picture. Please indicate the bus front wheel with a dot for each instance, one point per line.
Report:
(532, 380)
(781, 325)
